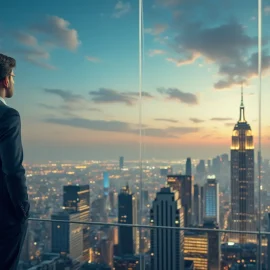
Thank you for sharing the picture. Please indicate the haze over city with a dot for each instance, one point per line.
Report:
(77, 77)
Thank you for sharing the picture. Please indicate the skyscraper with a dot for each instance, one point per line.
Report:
(197, 205)
(127, 214)
(167, 245)
(183, 184)
(106, 183)
(67, 237)
(121, 163)
(77, 200)
(242, 179)
(214, 248)
(211, 193)
(196, 249)
(188, 167)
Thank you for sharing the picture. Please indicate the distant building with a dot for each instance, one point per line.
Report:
(240, 256)
(106, 252)
(67, 237)
(200, 169)
(167, 245)
(196, 249)
(243, 216)
(197, 205)
(113, 199)
(268, 243)
(209, 166)
(121, 163)
(145, 196)
(164, 171)
(183, 184)
(216, 165)
(127, 214)
(202, 202)
(211, 193)
(188, 167)
(106, 183)
(77, 200)
(127, 262)
(214, 246)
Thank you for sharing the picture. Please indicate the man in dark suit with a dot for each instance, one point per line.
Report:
(14, 204)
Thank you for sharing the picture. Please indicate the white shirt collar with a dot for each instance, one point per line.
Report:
(3, 100)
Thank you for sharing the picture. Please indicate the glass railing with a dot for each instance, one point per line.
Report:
(64, 244)
(119, 94)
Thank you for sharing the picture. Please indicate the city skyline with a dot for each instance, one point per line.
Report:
(77, 77)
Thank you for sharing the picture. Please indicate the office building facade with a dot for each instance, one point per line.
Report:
(167, 245)
(211, 193)
(127, 214)
(242, 180)
(184, 185)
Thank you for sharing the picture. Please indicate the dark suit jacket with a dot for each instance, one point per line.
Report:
(14, 205)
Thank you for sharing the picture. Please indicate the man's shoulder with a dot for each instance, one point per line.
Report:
(9, 116)
(8, 111)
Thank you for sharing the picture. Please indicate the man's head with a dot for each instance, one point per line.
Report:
(7, 64)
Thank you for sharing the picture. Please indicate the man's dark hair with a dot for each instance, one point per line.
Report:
(6, 65)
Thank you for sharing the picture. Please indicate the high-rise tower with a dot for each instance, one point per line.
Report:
(167, 245)
(127, 214)
(242, 179)
(184, 185)
(188, 167)
(76, 199)
(211, 198)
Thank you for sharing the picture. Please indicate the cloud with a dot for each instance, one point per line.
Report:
(54, 32)
(58, 33)
(25, 38)
(121, 8)
(156, 30)
(267, 10)
(38, 63)
(121, 127)
(136, 94)
(29, 49)
(176, 94)
(229, 124)
(155, 52)
(227, 45)
(92, 59)
(221, 119)
(68, 107)
(67, 96)
(49, 107)
(181, 62)
(33, 53)
(105, 95)
(242, 71)
(196, 120)
(166, 120)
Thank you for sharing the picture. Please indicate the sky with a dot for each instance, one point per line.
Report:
(77, 76)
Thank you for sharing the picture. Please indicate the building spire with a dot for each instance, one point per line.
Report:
(242, 99)
(242, 107)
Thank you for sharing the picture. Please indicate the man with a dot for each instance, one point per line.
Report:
(14, 205)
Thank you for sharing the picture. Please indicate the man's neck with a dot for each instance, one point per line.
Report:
(2, 93)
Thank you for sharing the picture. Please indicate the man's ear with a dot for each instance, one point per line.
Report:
(5, 82)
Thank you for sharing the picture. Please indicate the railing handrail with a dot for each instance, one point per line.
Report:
(152, 226)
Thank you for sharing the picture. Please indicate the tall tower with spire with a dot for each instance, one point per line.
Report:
(242, 179)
